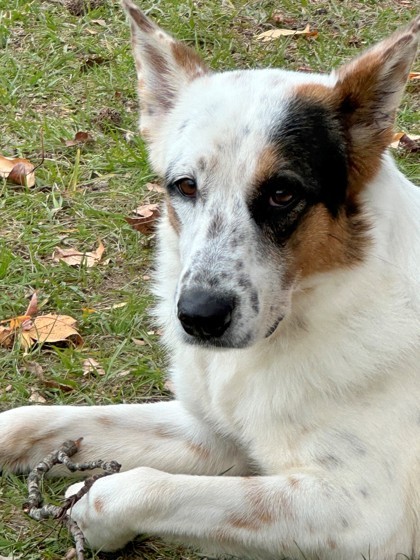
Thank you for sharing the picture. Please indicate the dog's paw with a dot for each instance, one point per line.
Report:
(105, 513)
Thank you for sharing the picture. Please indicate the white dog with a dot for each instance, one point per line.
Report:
(288, 282)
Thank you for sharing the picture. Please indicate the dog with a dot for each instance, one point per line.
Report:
(288, 289)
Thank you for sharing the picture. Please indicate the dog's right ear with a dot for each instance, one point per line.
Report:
(164, 67)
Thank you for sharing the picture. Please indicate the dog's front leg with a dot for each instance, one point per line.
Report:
(161, 435)
(270, 515)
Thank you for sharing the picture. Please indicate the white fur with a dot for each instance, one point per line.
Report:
(322, 417)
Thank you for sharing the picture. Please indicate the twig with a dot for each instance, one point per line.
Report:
(35, 508)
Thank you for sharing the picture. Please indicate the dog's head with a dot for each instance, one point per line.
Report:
(263, 171)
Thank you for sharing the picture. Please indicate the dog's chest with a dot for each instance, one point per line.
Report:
(251, 404)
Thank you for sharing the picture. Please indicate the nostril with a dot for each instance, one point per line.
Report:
(205, 314)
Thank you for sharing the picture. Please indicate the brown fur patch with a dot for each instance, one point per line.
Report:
(267, 165)
(322, 242)
(98, 505)
(332, 545)
(294, 482)
(105, 420)
(141, 20)
(173, 216)
(261, 507)
(188, 59)
(199, 450)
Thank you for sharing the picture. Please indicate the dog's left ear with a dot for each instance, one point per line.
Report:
(369, 91)
(164, 67)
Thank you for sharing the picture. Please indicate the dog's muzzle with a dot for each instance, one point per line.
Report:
(205, 314)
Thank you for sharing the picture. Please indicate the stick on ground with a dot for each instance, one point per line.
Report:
(35, 508)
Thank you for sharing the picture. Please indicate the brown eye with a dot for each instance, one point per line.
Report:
(187, 187)
(281, 197)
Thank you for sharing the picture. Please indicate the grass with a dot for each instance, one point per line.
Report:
(63, 73)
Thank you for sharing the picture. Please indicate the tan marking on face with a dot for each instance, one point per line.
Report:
(98, 505)
(322, 242)
(267, 165)
(188, 59)
(173, 216)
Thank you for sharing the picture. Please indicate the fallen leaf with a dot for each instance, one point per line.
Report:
(32, 308)
(414, 76)
(37, 370)
(17, 170)
(100, 22)
(273, 34)
(407, 142)
(145, 223)
(73, 257)
(6, 337)
(79, 138)
(139, 341)
(36, 397)
(49, 329)
(155, 187)
(91, 366)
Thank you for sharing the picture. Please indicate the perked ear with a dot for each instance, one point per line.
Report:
(164, 67)
(369, 91)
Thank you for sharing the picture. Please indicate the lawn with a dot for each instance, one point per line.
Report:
(66, 67)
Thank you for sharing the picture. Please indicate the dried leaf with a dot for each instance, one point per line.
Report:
(36, 369)
(91, 366)
(273, 34)
(73, 257)
(36, 397)
(145, 223)
(408, 142)
(32, 308)
(139, 341)
(6, 337)
(155, 187)
(79, 138)
(414, 76)
(51, 328)
(17, 170)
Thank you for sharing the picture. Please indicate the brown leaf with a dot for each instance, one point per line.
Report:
(414, 76)
(73, 257)
(79, 138)
(17, 170)
(273, 34)
(36, 369)
(408, 143)
(155, 187)
(36, 397)
(145, 223)
(49, 329)
(32, 308)
(91, 366)
(6, 337)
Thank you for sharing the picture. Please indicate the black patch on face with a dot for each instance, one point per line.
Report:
(312, 165)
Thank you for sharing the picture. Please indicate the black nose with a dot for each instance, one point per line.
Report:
(205, 314)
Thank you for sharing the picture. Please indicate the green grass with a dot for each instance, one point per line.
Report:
(62, 73)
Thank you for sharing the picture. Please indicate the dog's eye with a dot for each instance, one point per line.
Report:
(281, 198)
(187, 187)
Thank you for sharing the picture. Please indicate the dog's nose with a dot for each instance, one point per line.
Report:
(205, 314)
